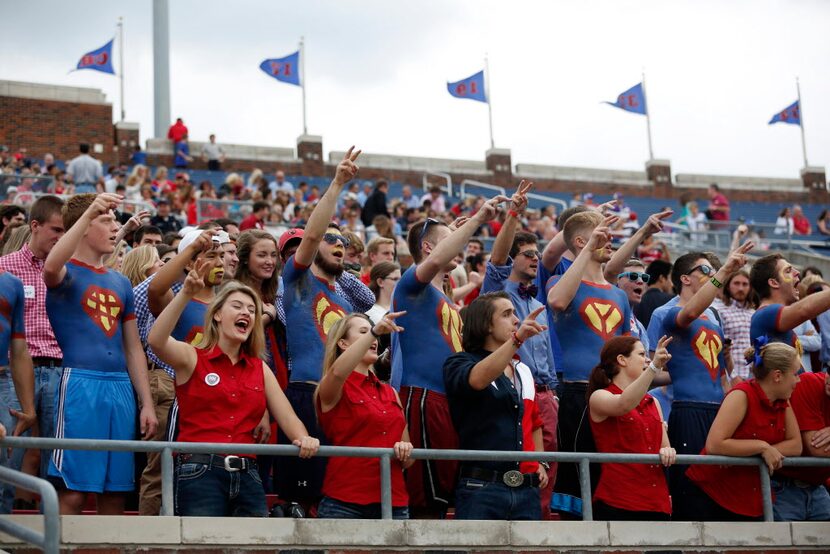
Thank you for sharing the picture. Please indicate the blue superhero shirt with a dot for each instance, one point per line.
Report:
(697, 362)
(311, 308)
(596, 313)
(766, 320)
(432, 332)
(191, 325)
(87, 311)
(11, 313)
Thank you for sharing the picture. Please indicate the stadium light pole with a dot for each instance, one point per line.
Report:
(121, 63)
(801, 122)
(161, 66)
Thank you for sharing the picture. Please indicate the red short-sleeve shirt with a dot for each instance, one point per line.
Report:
(811, 406)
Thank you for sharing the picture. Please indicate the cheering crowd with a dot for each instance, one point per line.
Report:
(386, 324)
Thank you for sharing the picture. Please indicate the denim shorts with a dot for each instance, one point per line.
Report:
(211, 491)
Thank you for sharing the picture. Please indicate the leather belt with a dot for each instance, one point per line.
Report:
(39, 361)
(229, 463)
(513, 478)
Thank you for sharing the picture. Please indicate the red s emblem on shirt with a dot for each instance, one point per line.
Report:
(326, 314)
(601, 316)
(707, 345)
(103, 307)
(449, 324)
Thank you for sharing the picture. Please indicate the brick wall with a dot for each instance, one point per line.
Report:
(43, 126)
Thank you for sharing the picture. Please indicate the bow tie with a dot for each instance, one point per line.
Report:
(528, 291)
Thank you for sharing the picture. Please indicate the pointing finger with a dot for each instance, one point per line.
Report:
(535, 313)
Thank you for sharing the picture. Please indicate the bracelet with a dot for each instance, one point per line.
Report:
(513, 213)
(717, 283)
(517, 342)
(545, 465)
(654, 368)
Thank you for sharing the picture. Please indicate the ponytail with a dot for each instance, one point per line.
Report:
(607, 368)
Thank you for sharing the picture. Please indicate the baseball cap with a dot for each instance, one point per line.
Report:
(220, 238)
(288, 236)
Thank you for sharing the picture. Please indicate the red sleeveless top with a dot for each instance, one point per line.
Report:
(738, 488)
(633, 487)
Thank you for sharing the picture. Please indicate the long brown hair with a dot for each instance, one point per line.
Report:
(254, 345)
(244, 245)
(607, 368)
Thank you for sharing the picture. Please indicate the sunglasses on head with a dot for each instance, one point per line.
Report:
(635, 276)
(333, 238)
(705, 269)
(532, 254)
(429, 221)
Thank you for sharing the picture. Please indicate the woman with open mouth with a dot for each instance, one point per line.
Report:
(223, 387)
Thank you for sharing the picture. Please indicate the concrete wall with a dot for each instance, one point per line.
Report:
(101, 534)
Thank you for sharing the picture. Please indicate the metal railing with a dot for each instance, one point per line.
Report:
(211, 208)
(549, 200)
(584, 459)
(49, 540)
(445, 177)
(462, 189)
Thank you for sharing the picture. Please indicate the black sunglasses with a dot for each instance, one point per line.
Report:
(635, 276)
(705, 269)
(333, 238)
(429, 221)
(532, 254)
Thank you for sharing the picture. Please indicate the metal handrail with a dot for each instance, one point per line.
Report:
(549, 199)
(386, 455)
(50, 539)
(462, 188)
(244, 206)
(445, 176)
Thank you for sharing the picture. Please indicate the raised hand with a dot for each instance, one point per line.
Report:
(606, 207)
(459, 221)
(196, 278)
(135, 221)
(600, 236)
(518, 202)
(347, 168)
(661, 353)
(737, 259)
(475, 278)
(490, 209)
(203, 242)
(654, 223)
(387, 324)
(102, 204)
(530, 327)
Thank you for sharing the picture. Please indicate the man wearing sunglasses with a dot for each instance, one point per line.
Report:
(776, 282)
(312, 305)
(698, 365)
(434, 333)
(633, 282)
(515, 272)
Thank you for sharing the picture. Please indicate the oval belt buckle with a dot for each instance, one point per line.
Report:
(513, 478)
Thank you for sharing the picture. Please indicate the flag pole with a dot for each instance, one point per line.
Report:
(302, 81)
(801, 124)
(487, 95)
(648, 119)
(121, 62)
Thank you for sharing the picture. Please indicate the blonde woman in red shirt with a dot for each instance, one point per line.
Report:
(626, 419)
(357, 409)
(223, 387)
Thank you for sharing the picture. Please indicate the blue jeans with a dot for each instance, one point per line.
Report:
(47, 381)
(799, 503)
(475, 499)
(331, 508)
(8, 399)
(207, 490)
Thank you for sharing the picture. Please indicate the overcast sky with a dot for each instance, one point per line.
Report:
(376, 74)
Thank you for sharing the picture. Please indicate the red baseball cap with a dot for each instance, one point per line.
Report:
(288, 236)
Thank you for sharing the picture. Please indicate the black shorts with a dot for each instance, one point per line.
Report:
(689, 424)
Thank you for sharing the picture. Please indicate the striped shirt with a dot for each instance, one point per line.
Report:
(39, 334)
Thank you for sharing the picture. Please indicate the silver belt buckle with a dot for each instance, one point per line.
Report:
(228, 460)
(513, 478)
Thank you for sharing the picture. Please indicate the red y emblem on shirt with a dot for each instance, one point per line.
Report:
(449, 323)
(103, 307)
(707, 345)
(603, 317)
(326, 314)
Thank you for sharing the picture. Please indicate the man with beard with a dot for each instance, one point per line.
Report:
(586, 310)
(312, 306)
(776, 282)
(514, 273)
(418, 355)
(736, 308)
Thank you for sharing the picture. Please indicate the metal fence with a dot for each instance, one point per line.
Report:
(386, 454)
(49, 540)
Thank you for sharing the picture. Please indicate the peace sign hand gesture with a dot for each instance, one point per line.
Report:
(347, 168)
(518, 202)
(737, 259)
(196, 278)
(661, 353)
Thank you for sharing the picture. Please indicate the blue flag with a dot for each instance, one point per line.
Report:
(285, 69)
(472, 88)
(632, 100)
(791, 114)
(99, 60)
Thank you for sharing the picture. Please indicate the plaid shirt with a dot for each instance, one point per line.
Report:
(736, 320)
(144, 319)
(39, 335)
